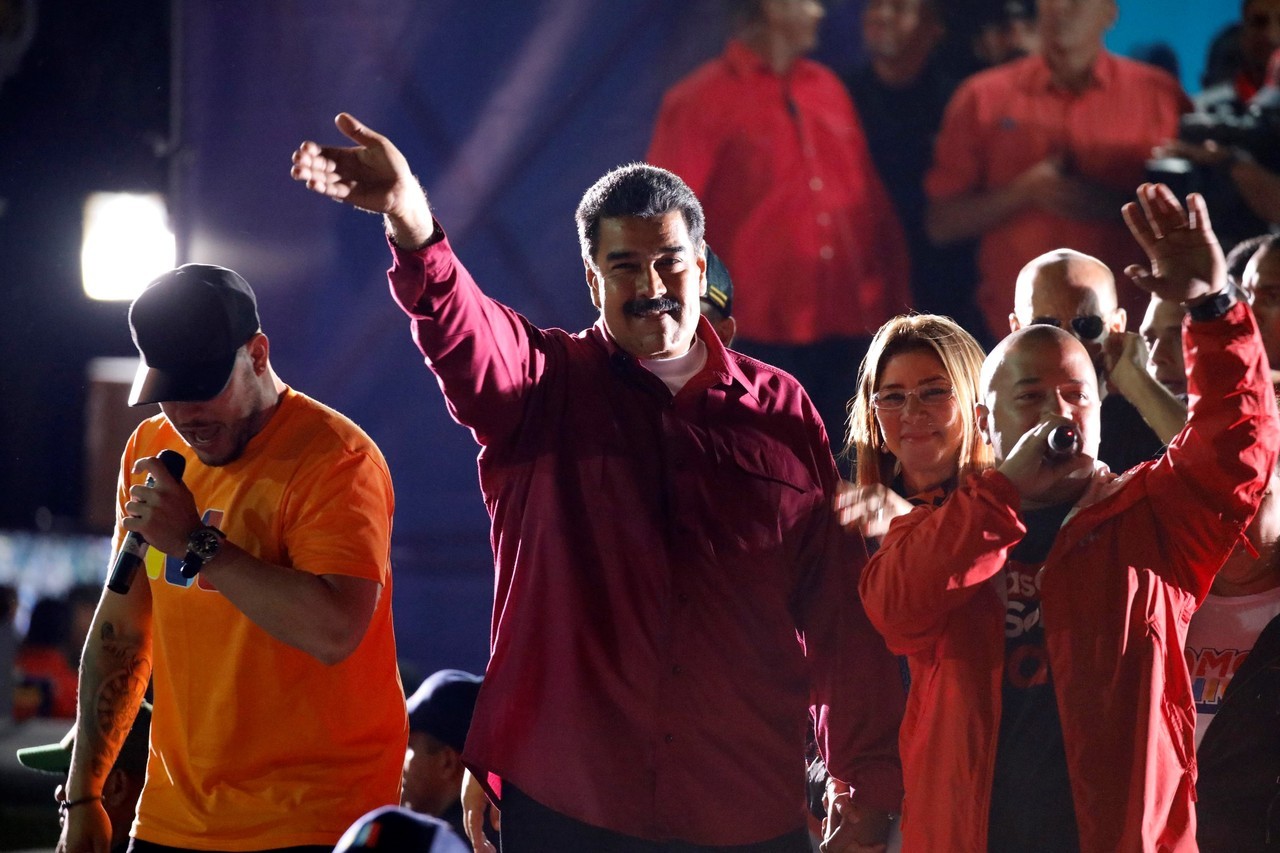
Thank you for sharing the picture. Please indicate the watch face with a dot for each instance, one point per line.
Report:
(204, 543)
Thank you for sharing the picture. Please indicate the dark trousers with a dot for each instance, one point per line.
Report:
(136, 846)
(530, 827)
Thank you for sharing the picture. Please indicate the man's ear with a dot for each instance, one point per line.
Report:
(259, 353)
(1014, 323)
(702, 271)
(593, 281)
(982, 415)
(1118, 321)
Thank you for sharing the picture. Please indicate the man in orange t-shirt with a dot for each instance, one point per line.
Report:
(1042, 152)
(264, 615)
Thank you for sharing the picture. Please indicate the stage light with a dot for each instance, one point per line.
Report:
(127, 243)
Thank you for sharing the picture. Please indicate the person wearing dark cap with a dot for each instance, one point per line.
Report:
(123, 784)
(263, 607)
(717, 302)
(439, 717)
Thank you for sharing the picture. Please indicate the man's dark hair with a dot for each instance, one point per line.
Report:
(637, 189)
(1241, 253)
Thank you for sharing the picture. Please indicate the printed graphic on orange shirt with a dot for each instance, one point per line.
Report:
(171, 567)
(1211, 671)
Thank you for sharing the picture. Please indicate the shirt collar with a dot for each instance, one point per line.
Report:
(723, 369)
(1102, 73)
(744, 61)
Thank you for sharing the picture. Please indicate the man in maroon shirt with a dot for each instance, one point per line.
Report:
(672, 588)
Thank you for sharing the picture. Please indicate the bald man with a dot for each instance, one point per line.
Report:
(1077, 293)
(1074, 732)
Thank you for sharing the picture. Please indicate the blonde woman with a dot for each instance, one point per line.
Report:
(911, 430)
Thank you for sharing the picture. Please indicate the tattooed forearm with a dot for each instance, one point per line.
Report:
(124, 668)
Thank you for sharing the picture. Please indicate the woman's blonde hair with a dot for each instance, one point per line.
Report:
(961, 358)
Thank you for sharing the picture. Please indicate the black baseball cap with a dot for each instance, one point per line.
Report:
(443, 704)
(188, 325)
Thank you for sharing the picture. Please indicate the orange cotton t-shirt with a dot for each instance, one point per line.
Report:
(255, 744)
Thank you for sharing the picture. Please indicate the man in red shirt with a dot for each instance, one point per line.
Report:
(1042, 152)
(771, 145)
(673, 590)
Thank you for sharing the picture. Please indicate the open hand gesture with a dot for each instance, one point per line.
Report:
(372, 176)
(1186, 262)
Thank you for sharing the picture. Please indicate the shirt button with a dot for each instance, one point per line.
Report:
(824, 219)
(826, 253)
(815, 183)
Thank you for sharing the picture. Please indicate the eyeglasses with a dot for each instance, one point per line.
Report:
(1086, 328)
(927, 395)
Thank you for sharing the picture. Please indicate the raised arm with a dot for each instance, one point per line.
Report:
(1212, 477)
(372, 176)
(485, 355)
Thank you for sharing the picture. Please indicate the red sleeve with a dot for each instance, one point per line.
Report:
(1210, 481)
(933, 560)
(485, 355)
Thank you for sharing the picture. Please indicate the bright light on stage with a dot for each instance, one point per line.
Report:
(127, 243)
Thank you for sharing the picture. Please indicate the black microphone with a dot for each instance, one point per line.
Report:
(134, 547)
(1063, 441)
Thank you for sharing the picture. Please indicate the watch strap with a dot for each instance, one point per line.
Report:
(1214, 307)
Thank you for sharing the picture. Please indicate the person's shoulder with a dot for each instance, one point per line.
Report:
(817, 71)
(1146, 76)
(770, 385)
(152, 435)
(324, 428)
(700, 83)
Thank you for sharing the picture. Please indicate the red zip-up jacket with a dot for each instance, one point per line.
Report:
(1120, 583)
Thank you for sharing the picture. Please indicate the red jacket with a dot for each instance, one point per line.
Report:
(1120, 583)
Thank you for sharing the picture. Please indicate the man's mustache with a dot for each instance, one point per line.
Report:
(638, 307)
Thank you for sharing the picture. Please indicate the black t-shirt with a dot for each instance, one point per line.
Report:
(1126, 439)
(901, 124)
(1031, 806)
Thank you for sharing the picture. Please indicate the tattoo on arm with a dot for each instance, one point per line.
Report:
(126, 669)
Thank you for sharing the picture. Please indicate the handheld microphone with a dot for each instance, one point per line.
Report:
(134, 547)
(1063, 441)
